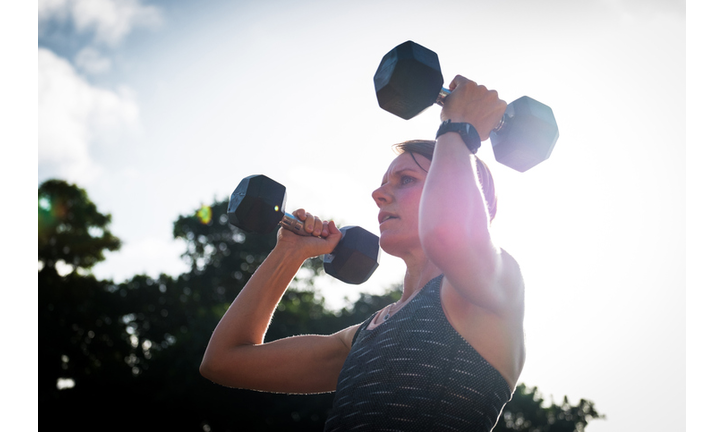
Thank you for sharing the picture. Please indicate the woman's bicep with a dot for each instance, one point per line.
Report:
(298, 364)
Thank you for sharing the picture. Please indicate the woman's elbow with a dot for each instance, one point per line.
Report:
(206, 368)
(211, 368)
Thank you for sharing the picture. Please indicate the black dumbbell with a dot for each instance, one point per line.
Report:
(257, 205)
(409, 80)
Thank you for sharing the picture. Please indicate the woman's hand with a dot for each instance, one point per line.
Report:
(471, 103)
(323, 237)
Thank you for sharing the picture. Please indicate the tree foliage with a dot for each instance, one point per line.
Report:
(126, 356)
(526, 412)
(80, 335)
(70, 228)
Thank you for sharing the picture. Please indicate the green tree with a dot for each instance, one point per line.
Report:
(526, 413)
(70, 228)
(82, 341)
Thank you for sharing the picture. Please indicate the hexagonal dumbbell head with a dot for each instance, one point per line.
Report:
(356, 256)
(257, 204)
(528, 134)
(408, 80)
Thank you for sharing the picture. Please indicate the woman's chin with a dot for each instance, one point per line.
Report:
(388, 243)
(394, 245)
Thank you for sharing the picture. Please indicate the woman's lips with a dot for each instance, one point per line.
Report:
(385, 216)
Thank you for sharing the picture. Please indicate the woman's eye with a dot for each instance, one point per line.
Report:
(406, 180)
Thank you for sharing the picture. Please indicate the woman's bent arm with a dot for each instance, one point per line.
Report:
(237, 356)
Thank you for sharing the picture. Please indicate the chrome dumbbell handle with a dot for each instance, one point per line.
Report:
(293, 224)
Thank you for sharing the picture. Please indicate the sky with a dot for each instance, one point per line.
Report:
(157, 108)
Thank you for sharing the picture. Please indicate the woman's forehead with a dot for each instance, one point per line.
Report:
(405, 161)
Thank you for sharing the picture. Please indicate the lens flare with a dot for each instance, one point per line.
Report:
(204, 215)
(44, 203)
(49, 214)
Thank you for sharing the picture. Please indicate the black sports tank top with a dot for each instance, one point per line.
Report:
(415, 372)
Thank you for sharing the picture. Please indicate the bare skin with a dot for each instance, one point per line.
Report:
(436, 222)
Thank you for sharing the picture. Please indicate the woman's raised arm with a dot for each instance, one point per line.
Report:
(237, 356)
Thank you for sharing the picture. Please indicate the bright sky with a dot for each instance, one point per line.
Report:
(155, 108)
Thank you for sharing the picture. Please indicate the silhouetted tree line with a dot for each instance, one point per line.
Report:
(126, 356)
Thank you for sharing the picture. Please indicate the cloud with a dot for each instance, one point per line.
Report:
(73, 115)
(90, 61)
(109, 20)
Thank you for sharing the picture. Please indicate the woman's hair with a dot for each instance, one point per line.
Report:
(426, 148)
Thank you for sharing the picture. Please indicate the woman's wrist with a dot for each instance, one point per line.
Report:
(466, 131)
(288, 253)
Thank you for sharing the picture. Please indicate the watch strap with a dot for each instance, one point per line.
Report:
(467, 132)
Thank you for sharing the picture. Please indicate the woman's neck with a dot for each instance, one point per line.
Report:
(419, 273)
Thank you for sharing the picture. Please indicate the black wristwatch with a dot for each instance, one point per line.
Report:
(467, 133)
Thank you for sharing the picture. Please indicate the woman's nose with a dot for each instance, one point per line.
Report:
(380, 196)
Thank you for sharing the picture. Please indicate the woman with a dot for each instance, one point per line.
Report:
(448, 354)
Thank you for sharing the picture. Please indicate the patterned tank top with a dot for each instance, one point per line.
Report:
(415, 372)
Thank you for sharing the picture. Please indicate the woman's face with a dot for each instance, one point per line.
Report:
(398, 199)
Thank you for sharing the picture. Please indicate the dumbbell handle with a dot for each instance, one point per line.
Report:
(293, 224)
(445, 93)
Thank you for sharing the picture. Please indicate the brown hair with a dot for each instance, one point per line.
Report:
(426, 148)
